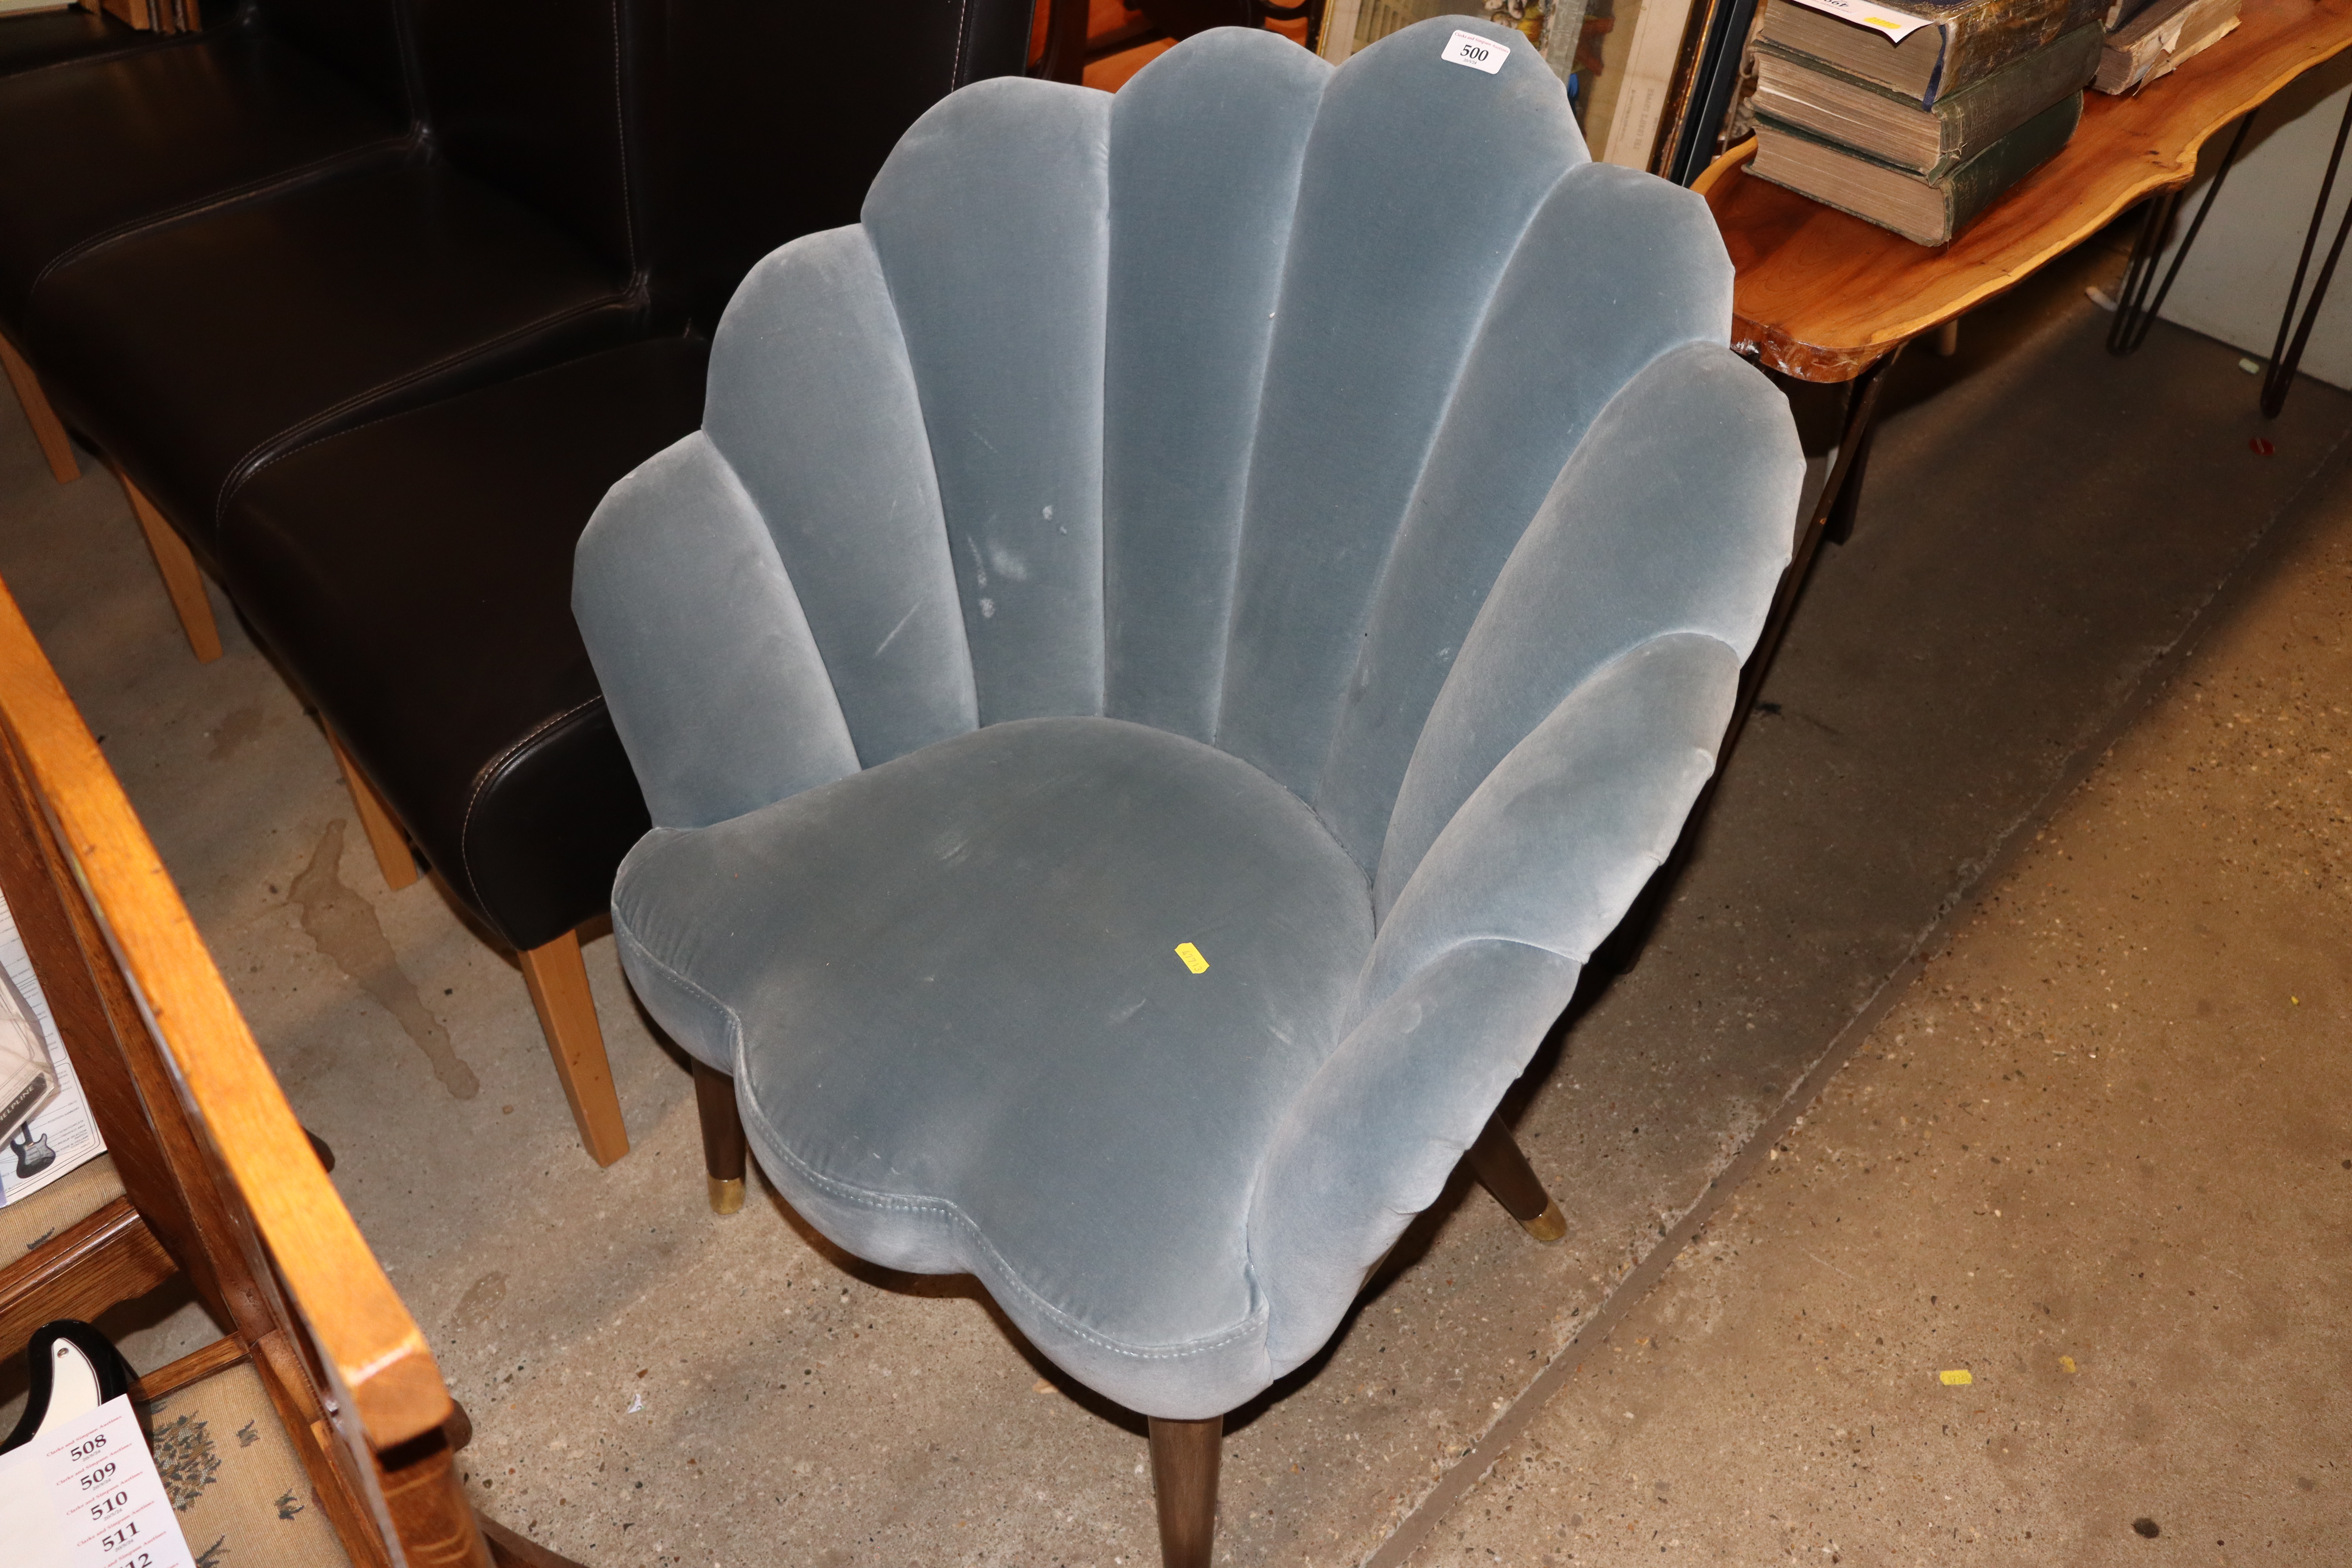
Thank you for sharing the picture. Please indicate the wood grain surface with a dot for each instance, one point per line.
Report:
(374, 1349)
(1821, 296)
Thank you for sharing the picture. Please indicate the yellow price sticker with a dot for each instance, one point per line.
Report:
(1955, 1379)
(1191, 957)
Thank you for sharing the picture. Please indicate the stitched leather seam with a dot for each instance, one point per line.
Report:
(152, 44)
(261, 454)
(488, 775)
(942, 1206)
(219, 201)
(621, 136)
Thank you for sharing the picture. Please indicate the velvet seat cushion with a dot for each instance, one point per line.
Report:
(415, 576)
(958, 1046)
(198, 353)
(100, 146)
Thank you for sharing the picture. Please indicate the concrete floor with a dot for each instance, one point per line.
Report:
(2043, 528)
(2053, 1271)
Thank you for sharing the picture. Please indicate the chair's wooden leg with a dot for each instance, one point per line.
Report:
(1184, 1457)
(567, 1015)
(722, 1137)
(47, 429)
(384, 835)
(182, 579)
(1503, 1171)
(510, 1550)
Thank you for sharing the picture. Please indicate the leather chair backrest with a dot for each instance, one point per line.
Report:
(781, 114)
(551, 101)
(365, 40)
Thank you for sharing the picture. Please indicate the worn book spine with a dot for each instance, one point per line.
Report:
(1976, 183)
(1975, 117)
(1979, 38)
(2164, 35)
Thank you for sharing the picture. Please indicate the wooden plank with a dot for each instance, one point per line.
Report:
(335, 1474)
(384, 836)
(48, 430)
(184, 580)
(193, 1367)
(1821, 296)
(95, 1262)
(59, 938)
(366, 1333)
(567, 1016)
(426, 1503)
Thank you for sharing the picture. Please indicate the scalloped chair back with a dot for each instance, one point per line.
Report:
(1312, 512)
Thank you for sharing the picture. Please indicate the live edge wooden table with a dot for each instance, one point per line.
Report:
(1823, 297)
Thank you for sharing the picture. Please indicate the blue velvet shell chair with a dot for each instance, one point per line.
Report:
(1177, 635)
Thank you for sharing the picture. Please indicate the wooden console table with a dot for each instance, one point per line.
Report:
(1823, 297)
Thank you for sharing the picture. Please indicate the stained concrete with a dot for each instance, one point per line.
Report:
(653, 1384)
(2053, 1271)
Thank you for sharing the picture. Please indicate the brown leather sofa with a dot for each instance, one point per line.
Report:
(378, 394)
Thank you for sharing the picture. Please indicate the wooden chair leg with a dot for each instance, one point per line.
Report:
(384, 835)
(47, 429)
(1504, 1170)
(182, 579)
(722, 1137)
(1184, 1459)
(567, 1015)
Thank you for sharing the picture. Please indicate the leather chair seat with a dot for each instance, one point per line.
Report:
(957, 1045)
(47, 37)
(414, 575)
(95, 148)
(198, 353)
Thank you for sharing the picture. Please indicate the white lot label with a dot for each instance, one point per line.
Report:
(86, 1495)
(1478, 53)
(1897, 24)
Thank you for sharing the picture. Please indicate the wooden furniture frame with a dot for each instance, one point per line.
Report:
(220, 1182)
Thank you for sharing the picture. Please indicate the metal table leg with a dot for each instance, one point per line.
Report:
(2286, 356)
(2134, 310)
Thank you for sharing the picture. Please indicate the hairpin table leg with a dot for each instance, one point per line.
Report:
(2135, 311)
(2287, 354)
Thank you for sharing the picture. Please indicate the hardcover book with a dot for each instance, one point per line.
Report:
(1927, 47)
(1929, 211)
(1826, 101)
(2163, 36)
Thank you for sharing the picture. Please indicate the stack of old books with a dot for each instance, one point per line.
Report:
(1918, 118)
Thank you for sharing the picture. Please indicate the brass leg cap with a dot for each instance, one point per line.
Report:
(727, 1197)
(1550, 1227)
